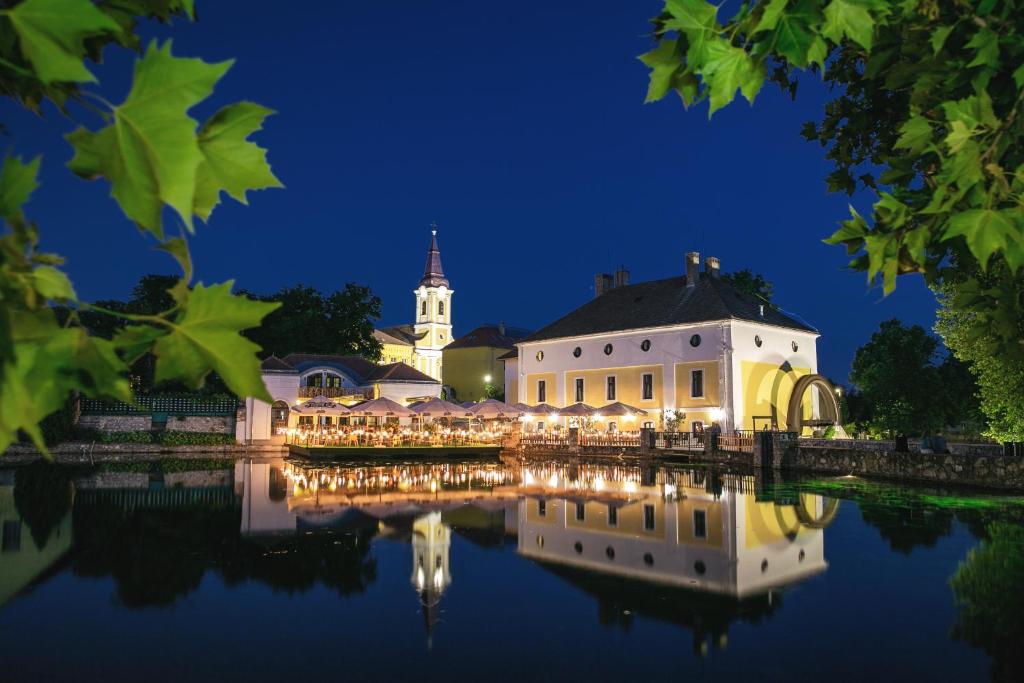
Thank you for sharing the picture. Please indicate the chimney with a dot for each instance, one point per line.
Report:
(602, 283)
(621, 277)
(711, 265)
(692, 268)
(501, 329)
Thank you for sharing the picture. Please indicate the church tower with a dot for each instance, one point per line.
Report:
(433, 327)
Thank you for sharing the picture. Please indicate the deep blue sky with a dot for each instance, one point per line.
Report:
(519, 127)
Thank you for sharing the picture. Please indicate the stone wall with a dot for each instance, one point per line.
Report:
(117, 423)
(882, 446)
(214, 424)
(991, 471)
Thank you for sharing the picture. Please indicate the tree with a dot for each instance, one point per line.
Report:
(750, 283)
(309, 322)
(1000, 377)
(929, 93)
(155, 157)
(896, 376)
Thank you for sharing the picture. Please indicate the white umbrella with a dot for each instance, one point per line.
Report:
(321, 406)
(492, 408)
(438, 407)
(381, 407)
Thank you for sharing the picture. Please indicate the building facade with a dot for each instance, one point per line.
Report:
(419, 344)
(690, 347)
(472, 363)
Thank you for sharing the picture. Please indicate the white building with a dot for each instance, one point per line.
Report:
(691, 346)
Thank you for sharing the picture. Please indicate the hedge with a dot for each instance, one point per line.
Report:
(176, 438)
(124, 437)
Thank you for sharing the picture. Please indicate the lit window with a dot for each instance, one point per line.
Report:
(611, 389)
(579, 389)
(700, 524)
(697, 384)
(542, 391)
(647, 387)
(540, 355)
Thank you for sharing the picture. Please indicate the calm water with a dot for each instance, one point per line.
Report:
(276, 570)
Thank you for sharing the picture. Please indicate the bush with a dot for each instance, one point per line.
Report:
(176, 438)
(124, 437)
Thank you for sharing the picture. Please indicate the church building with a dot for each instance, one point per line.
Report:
(419, 344)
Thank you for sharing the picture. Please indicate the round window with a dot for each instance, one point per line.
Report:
(796, 347)
(577, 352)
(757, 340)
(578, 547)
(801, 556)
(648, 559)
(764, 566)
(645, 345)
(695, 341)
(540, 541)
(699, 567)
(540, 355)
(608, 349)
(610, 552)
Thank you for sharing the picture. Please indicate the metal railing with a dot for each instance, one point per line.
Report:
(172, 405)
(740, 442)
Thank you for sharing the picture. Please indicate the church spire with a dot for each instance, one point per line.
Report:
(433, 273)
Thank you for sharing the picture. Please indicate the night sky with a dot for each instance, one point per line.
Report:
(519, 128)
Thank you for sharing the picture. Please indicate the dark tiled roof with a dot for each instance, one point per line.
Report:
(488, 335)
(387, 338)
(433, 273)
(275, 364)
(399, 372)
(404, 333)
(361, 370)
(661, 303)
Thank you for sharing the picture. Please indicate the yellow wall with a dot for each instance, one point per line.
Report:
(713, 510)
(683, 399)
(630, 521)
(531, 389)
(465, 369)
(396, 353)
(767, 389)
(768, 522)
(628, 386)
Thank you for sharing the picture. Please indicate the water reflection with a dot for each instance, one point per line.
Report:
(692, 548)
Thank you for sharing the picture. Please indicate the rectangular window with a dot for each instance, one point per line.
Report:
(613, 515)
(540, 426)
(697, 384)
(440, 308)
(11, 536)
(423, 308)
(611, 389)
(581, 511)
(648, 517)
(542, 508)
(647, 387)
(542, 391)
(579, 389)
(305, 420)
(700, 524)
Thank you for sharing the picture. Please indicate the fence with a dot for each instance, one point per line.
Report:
(171, 405)
(737, 442)
(681, 441)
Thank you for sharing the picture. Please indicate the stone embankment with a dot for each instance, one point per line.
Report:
(87, 453)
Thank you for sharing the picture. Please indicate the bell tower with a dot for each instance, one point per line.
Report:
(433, 327)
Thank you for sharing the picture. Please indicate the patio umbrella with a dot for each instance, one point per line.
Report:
(381, 407)
(321, 406)
(578, 410)
(438, 407)
(492, 408)
(542, 409)
(619, 408)
(521, 407)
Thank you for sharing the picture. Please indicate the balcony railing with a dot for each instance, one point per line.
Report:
(335, 392)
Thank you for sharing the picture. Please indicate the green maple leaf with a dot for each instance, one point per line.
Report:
(726, 69)
(882, 251)
(135, 341)
(849, 19)
(150, 153)
(206, 335)
(985, 230)
(663, 61)
(915, 134)
(793, 37)
(691, 15)
(17, 183)
(53, 284)
(772, 11)
(986, 45)
(50, 33)
(230, 162)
